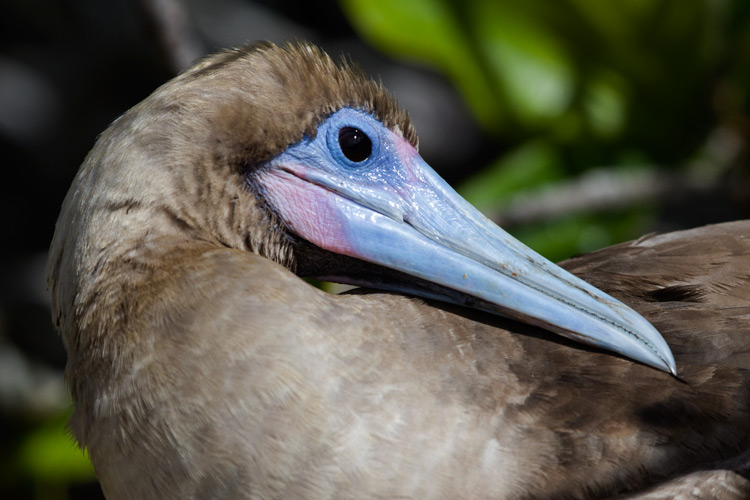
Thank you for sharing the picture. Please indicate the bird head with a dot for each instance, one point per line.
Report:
(284, 153)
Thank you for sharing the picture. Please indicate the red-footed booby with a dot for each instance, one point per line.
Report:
(202, 366)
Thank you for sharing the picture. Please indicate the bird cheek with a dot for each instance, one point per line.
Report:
(308, 210)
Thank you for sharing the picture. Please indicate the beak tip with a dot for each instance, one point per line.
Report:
(661, 357)
(672, 365)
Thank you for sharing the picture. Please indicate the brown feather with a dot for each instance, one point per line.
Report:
(202, 367)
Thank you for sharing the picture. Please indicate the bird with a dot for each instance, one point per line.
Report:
(202, 365)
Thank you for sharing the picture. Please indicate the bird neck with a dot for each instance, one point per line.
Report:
(126, 226)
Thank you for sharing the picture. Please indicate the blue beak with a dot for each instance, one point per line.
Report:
(419, 225)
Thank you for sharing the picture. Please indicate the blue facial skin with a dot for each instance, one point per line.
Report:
(372, 181)
(391, 209)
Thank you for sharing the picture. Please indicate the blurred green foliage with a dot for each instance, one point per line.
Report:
(49, 454)
(44, 461)
(570, 85)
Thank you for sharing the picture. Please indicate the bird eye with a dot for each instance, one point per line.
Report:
(355, 144)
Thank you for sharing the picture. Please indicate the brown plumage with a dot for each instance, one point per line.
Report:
(201, 367)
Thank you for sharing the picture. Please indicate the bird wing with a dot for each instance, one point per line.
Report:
(250, 382)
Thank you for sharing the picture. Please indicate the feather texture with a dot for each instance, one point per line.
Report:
(201, 366)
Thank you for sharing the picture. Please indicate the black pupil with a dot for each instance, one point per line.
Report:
(355, 144)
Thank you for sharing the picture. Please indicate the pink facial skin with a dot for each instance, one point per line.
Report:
(308, 210)
(320, 215)
(406, 154)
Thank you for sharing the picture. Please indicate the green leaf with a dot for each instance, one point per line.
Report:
(531, 69)
(605, 104)
(531, 165)
(427, 31)
(50, 455)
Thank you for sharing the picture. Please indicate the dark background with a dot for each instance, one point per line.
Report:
(575, 124)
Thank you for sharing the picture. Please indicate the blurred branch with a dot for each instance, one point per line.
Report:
(597, 190)
(607, 189)
(171, 31)
(29, 388)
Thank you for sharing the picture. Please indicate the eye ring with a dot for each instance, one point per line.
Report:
(355, 144)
